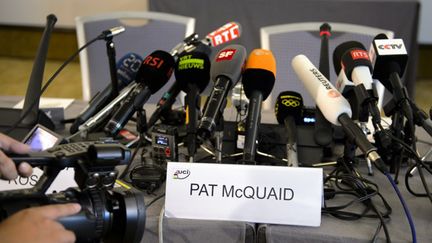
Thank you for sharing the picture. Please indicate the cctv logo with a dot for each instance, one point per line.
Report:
(390, 46)
(225, 55)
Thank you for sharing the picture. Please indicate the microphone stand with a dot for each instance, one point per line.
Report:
(219, 132)
(112, 65)
(192, 114)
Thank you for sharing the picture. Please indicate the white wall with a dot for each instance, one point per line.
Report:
(425, 30)
(34, 12)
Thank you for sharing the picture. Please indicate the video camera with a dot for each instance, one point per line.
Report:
(108, 214)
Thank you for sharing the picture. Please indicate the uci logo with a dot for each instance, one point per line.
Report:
(290, 102)
(181, 174)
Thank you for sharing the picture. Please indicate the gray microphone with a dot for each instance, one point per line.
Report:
(225, 71)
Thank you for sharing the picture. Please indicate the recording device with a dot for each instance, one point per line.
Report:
(164, 143)
(30, 114)
(258, 81)
(127, 68)
(155, 71)
(41, 138)
(225, 72)
(107, 214)
(334, 106)
(288, 110)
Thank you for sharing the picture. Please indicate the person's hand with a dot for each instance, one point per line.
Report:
(38, 224)
(8, 170)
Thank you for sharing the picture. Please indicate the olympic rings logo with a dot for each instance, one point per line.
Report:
(290, 102)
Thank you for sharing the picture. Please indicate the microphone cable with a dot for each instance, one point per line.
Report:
(419, 163)
(350, 182)
(56, 73)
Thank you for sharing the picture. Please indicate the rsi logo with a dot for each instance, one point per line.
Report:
(181, 174)
(225, 55)
(153, 62)
(359, 54)
(390, 47)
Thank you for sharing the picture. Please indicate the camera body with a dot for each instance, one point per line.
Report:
(108, 214)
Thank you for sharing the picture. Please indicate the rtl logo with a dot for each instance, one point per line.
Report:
(225, 55)
(153, 61)
(359, 54)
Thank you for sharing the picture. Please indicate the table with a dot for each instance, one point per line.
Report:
(331, 229)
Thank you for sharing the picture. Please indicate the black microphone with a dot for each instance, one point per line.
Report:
(258, 81)
(323, 131)
(225, 72)
(353, 59)
(127, 68)
(36, 77)
(288, 110)
(193, 75)
(154, 73)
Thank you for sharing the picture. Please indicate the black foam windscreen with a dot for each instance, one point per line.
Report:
(229, 63)
(288, 103)
(193, 68)
(156, 70)
(258, 79)
(340, 51)
(388, 57)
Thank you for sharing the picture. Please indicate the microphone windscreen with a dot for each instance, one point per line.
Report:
(288, 103)
(340, 51)
(259, 73)
(229, 63)
(193, 68)
(155, 70)
(380, 36)
(127, 68)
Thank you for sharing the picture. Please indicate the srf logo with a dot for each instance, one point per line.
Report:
(225, 55)
(359, 54)
(181, 174)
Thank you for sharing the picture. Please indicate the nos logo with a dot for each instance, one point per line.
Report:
(226, 54)
(181, 174)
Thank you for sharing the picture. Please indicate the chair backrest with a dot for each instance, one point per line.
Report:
(145, 33)
(288, 40)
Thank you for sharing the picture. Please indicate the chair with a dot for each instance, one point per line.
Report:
(145, 33)
(289, 40)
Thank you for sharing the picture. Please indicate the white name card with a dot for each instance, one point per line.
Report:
(260, 194)
(64, 180)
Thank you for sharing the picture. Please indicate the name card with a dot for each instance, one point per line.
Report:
(260, 194)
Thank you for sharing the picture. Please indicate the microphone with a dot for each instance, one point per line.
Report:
(353, 59)
(334, 106)
(288, 110)
(155, 71)
(223, 34)
(193, 75)
(111, 32)
(258, 81)
(225, 71)
(127, 68)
